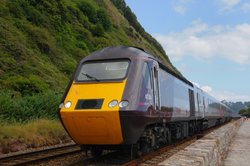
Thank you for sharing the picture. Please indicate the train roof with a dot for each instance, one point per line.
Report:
(115, 52)
(131, 52)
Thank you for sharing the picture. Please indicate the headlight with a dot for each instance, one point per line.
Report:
(113, 103)
(61, 105)
(123, 104)
(67, 104)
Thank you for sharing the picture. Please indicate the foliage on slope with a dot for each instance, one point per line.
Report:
(130, 16)
(237, 106)
(41, 42)
(245, 112)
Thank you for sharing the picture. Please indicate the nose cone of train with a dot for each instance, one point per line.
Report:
(89, 119)
(93, 127)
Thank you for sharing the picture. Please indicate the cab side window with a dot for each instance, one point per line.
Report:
(146, 95)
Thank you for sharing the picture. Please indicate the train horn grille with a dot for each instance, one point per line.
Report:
(89, 104)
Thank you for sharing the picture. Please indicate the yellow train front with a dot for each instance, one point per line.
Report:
(105, 103)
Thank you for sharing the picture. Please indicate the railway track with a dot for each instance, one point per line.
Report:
(124, 158)
(108, 158)
(162, 154)
(34, 157)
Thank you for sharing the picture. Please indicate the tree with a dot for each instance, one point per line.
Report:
(245, 112)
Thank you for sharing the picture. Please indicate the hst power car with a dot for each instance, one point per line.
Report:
(123, 96)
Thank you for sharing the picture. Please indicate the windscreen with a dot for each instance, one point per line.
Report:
(103, 70)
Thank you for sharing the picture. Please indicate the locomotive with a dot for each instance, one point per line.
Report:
(124, 97)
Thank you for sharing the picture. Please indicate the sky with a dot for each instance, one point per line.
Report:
(207, 40)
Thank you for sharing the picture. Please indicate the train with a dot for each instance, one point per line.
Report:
(122, 96)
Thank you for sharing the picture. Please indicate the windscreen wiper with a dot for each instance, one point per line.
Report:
(91, 77)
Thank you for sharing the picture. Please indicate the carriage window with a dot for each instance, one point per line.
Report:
(103, 70)
(146, 76)
(146, 92)
(166, 89)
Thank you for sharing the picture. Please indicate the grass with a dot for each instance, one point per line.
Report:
(37, 133)
(29, 121)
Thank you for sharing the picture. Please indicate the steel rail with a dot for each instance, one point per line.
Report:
(39, 155)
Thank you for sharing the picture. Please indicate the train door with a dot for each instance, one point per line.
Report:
(191, 102)
(204, 107)
(198, 104)
(201, 104)
(156, 88)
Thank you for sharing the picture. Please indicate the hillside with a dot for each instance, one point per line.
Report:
(41, 42)
(237, 106)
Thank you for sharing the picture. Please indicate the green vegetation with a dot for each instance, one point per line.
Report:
(14, 137)
(245, 112)
(236, 106)
(24, 109)
(41, 42)
(130, 16)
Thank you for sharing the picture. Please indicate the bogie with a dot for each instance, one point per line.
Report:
(96, 151)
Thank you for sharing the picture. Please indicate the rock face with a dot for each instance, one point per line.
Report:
(207, 151)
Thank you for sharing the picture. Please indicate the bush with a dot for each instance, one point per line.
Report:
(40, 37)
(23, 109)
(34, 16)
(72, 14)
(15, 9)
(81, 45)
(103, 19)
(98, 30)
(26, 85)
(69, 66)
(89, 11)
(245, 112)
(102, 42)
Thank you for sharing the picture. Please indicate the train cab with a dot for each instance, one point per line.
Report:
(110, 91)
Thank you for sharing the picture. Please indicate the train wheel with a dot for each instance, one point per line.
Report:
(168, 136)
(134, 151)
(96, 151)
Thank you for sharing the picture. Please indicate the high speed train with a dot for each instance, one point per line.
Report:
(123, 96)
